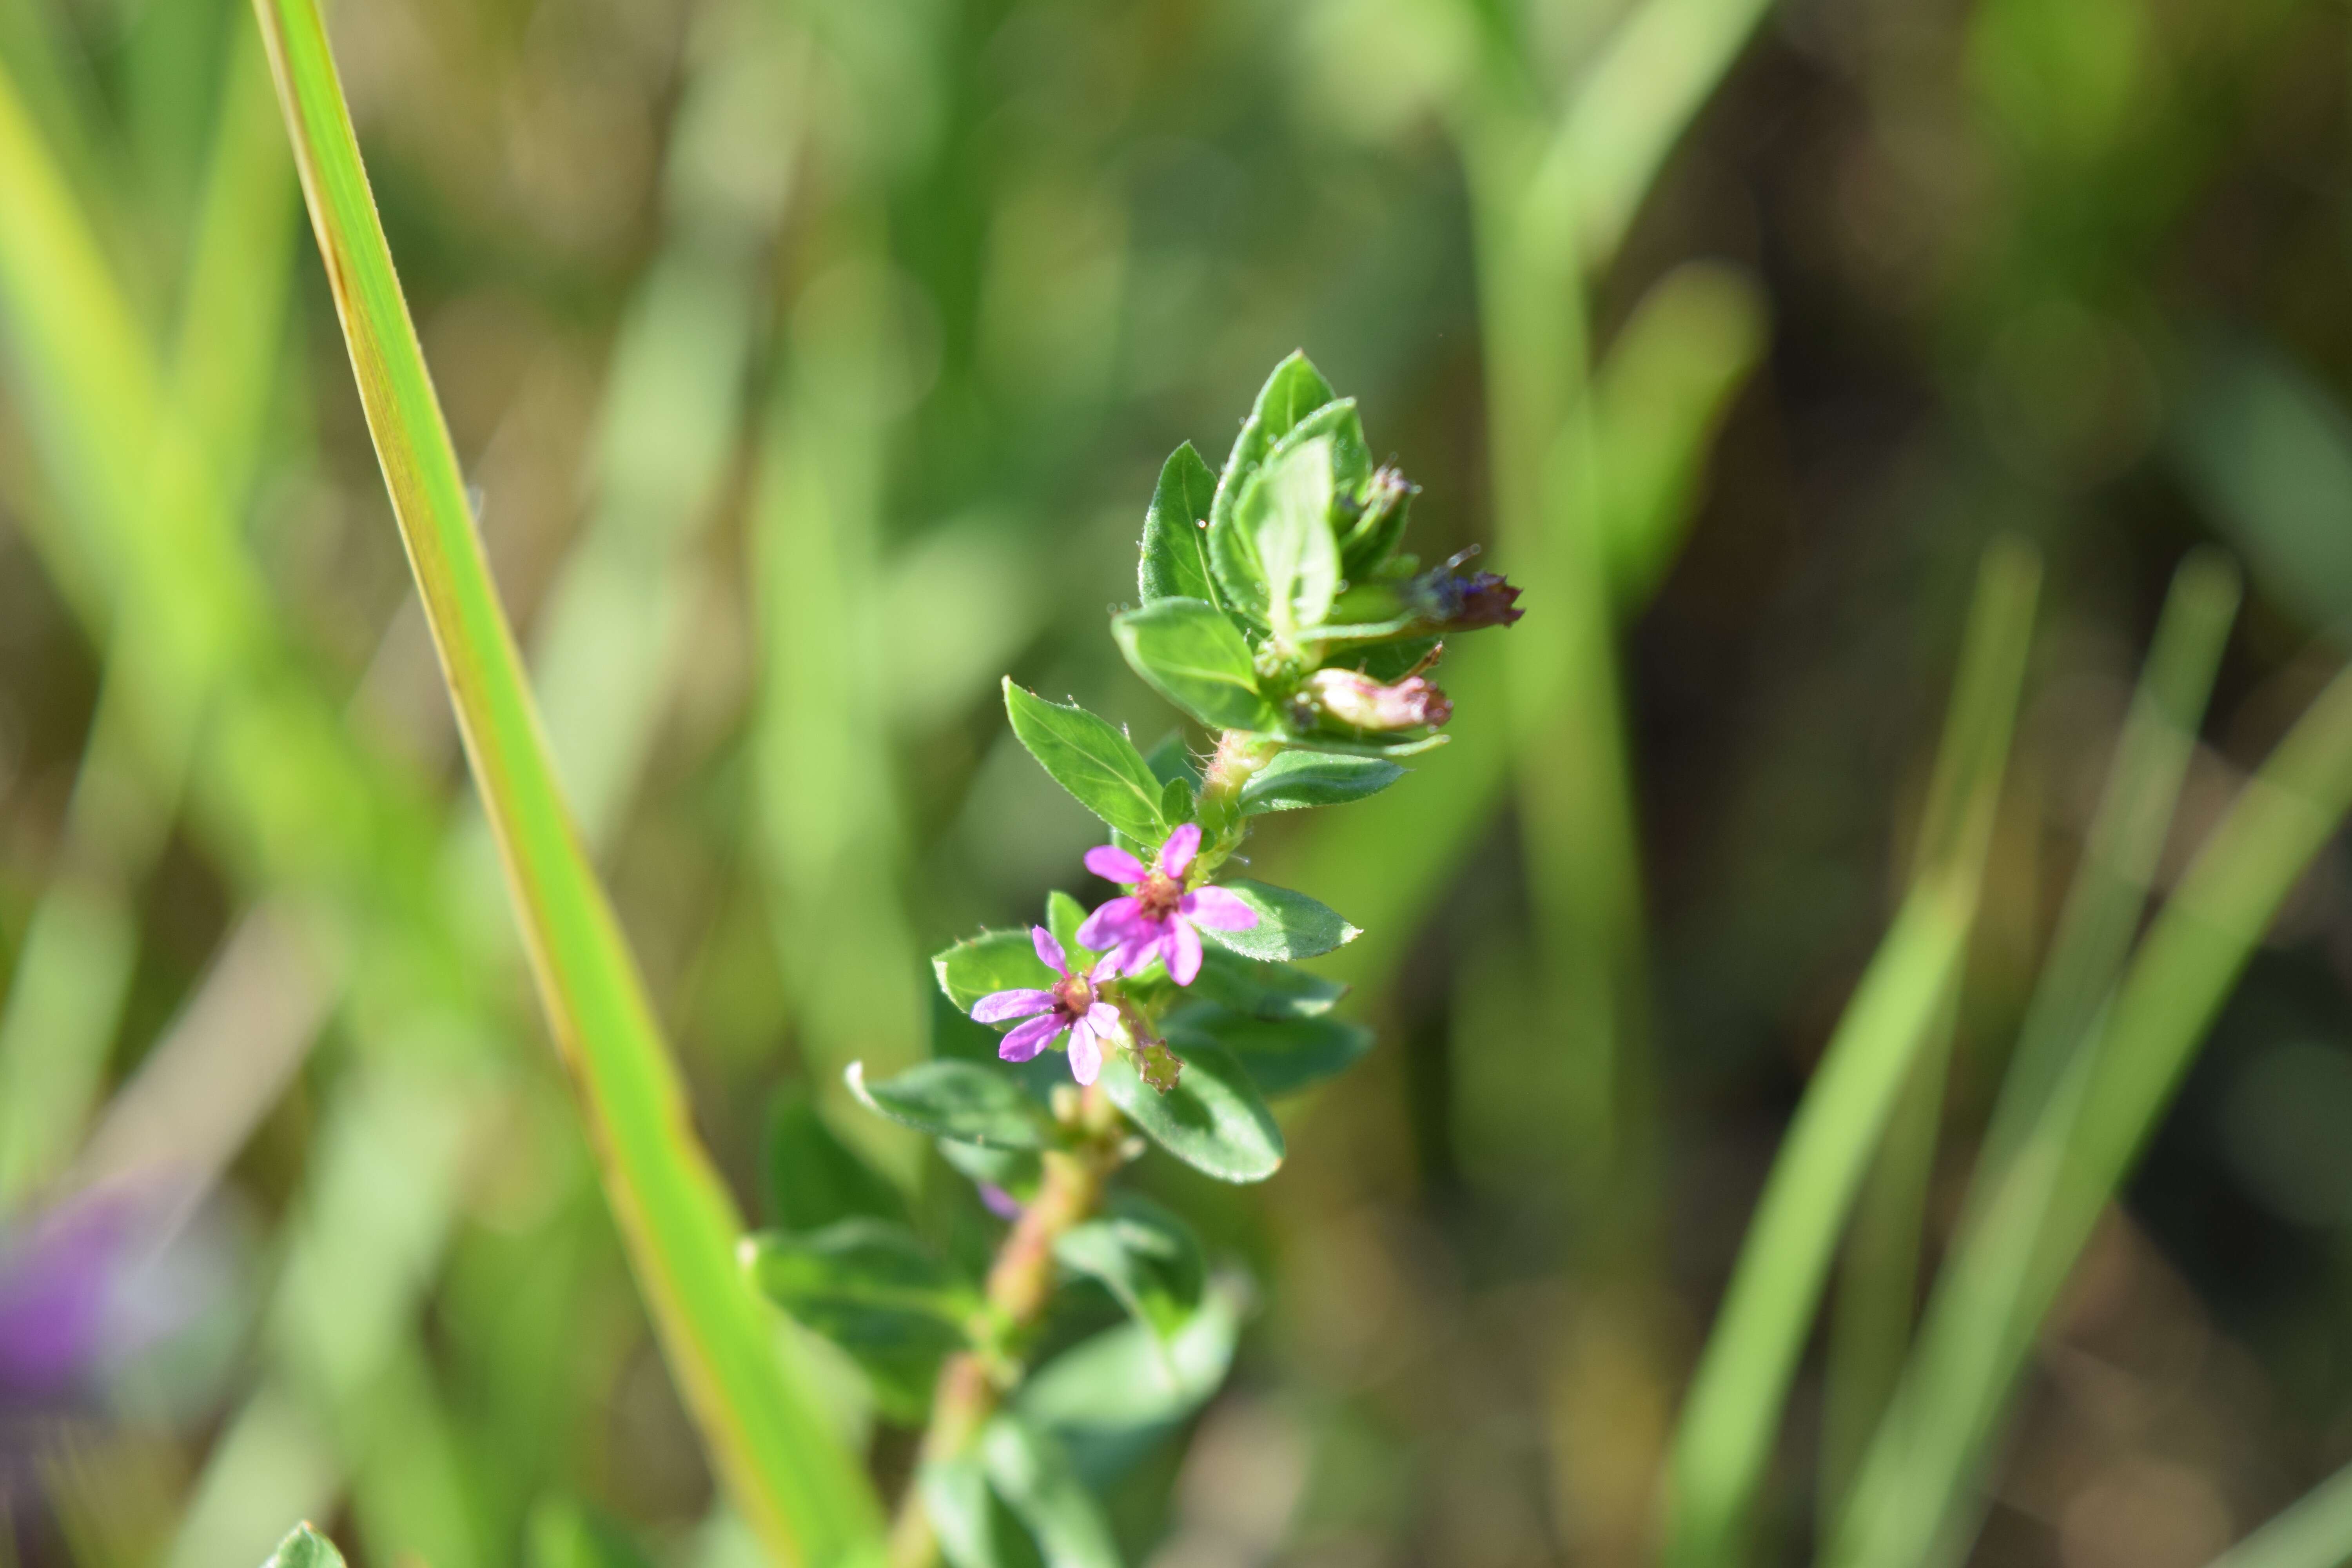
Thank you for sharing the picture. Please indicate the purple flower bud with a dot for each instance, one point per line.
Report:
(1446, 603)
(1356, 701)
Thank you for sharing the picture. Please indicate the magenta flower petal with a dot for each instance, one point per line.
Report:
(1113, 864)
(1110, 925)
(1104, 1017)
(1085, 1055)
(1178, 852)
(1105, 968)
(1218, 909)
(999, 1006)
(1183, 948)
(1050, 951)
(1030, 1038)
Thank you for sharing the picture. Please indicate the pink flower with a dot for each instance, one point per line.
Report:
(1159, 917)
(1069, 1005)
(1359, 703)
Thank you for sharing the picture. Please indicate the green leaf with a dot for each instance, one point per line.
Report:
(1285, 513)
(1148, 1261)
(813, 1178)
(871, 1289)
(1289, 925)
(1213, 1119)
(1264, 990)
(1351, 458)
(862, 1282)
(770, 1437)
(962, 1513)
(1175, 564)
(1088, 757)
(1176, 801)
(1113, 1396)
(992, 961)
(1192, 655)
(1298, 779)
(962, 1101)
(305, 1548)
(1033, 1473)
(1294, 391)
(1241, 574)
(1282, 1057)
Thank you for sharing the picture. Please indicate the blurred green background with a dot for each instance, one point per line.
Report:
(812, 362)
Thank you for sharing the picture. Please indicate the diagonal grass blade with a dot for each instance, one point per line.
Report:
(805, 1493)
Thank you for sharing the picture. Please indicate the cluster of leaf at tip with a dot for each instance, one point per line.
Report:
(1254, 582)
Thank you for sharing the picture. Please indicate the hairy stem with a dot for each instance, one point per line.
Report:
(973, 1383)
(1239, 756)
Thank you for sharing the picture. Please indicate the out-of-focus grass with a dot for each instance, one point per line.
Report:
(1901, 1005)
(1989, 247)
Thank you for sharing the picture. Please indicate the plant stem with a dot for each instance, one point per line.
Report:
(1239, 756)
(1020, 1284)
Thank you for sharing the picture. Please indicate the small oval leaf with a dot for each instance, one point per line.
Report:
(1148, 1261)
(1192, 655)
(1264, 990)
(1281, 1056)
(1289, 925)
(992, 961)
(962, 1101)
(1295, 780)
(1213, 1119)
(1088, 756)
(1175, 558)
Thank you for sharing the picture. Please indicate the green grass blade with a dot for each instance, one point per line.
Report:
(805, 1493)
(2093, 936)
(2313, 1531)
(1631, 106)
(1734, 1408)
(1878, 1274)
(2092, 942)
(2006, 1271)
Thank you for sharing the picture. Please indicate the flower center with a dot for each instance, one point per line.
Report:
(1074, 994)
(1158, 895)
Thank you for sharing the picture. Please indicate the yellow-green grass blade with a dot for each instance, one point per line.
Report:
(768, 1438)
(1734, 1408)
(2313, 1531)
(2094, 935)
(1908, 1502)
(671, 409)
(1632, 105)
(1878, 1271)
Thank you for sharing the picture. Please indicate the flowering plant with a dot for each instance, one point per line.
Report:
(1277, 611)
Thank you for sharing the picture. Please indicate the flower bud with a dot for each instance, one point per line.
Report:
(1356, 701)
(1447, 603)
